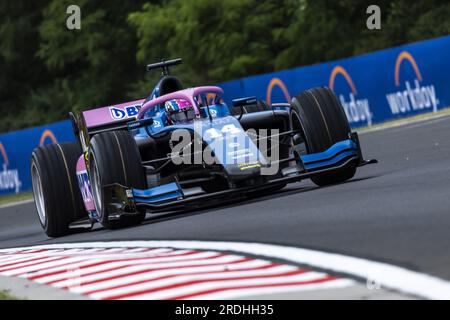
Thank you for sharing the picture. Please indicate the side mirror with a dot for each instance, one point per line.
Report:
(242, 102)
(139, 123)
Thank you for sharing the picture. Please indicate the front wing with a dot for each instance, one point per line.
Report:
(171, 196)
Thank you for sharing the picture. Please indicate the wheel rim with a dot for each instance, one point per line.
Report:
(38, 193)
(96, 184)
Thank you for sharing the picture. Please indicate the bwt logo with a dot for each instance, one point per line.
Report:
(357, 110)
(9, 178)
(124, 112)
(411, 99)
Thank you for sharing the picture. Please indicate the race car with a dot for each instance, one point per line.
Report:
(185, 148)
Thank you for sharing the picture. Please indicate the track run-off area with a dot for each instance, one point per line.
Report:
(386, 231)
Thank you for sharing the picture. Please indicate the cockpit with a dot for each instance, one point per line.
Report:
(180, 110)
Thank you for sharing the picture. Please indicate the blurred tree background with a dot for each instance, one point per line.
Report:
(47, 70)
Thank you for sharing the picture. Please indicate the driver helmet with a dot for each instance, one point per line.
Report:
(179, 110)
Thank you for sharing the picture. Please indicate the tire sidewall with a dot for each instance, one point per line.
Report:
(115, 156)
(296, 111)
(97, 189)
(62, 201)
(44, 184)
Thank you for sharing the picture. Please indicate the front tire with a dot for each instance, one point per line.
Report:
(55, 187)
(324, 123)
(114, 158)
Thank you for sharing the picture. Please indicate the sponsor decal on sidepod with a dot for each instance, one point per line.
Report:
(83, 182)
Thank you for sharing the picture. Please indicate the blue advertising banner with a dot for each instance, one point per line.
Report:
(373, 88)
(16, 148)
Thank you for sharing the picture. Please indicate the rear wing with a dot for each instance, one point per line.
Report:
(113, 117)
(87, 123)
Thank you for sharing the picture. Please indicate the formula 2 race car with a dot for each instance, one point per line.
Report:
(185, 148)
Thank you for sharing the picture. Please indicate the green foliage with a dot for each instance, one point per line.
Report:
(20, 70)
(11, 198)
(91, 66)
(47, 70)
(50, 70)
(6, 296)
(217, 39)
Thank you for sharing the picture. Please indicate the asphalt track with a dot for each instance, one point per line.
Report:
(397, 211)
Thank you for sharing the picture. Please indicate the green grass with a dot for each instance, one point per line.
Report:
(15, 197)
(6, 296)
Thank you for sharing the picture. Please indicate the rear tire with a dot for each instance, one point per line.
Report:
(114, 158)
(324, 123)
(55, 187)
